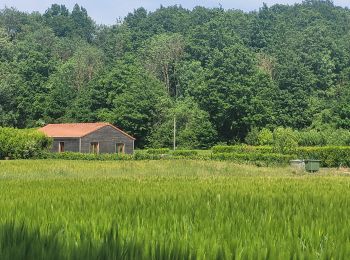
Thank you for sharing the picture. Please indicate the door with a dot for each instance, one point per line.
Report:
(61, 147)
(94, 147)
(120, 148)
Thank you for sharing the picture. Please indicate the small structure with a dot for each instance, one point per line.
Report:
(89, 138)
(308, 165)
(298, 164)
(312, 165)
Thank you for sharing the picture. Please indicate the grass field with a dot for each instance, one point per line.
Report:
(170, 210)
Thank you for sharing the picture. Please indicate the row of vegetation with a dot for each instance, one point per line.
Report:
(219, 72)
(281, 148)
(330, 156)
(169, 210)
(291, 138)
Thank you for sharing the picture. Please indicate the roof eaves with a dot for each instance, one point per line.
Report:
(65, 137)
(121, 131)
(116, 128)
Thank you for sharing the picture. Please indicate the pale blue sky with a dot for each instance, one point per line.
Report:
(107, 11)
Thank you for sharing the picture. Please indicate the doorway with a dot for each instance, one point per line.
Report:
(61, 147)
(120, 148)
(94, 148)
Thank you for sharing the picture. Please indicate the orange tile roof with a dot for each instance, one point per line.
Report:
(75, 130)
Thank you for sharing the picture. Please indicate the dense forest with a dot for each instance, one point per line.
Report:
(220, 73)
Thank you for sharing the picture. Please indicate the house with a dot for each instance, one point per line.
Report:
(89, 138)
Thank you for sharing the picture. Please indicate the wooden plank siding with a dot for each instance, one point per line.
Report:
(107, 138)
(70, 144)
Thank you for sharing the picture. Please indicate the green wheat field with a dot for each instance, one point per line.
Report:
(170, 210)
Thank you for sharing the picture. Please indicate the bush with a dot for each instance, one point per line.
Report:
(144, 155)
(241, 149)
(185, 153)
(285, 140)
(265, 137)
(252, 137)
(257, 158)
(157, 154)
(158, 151)
(262, 137)
(22, 144)
(338, 137)
(86, 156)
(138, 155)
(330, 156)
(311, 138)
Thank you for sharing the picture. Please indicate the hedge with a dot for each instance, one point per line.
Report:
(265, 159)
(86, 156)
(242, 149)
(157, 154)
(330, 156)
(144, 155)
(138, 155)
(158, 151)
(185, 153)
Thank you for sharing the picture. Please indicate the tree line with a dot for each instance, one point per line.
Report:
(222, 74)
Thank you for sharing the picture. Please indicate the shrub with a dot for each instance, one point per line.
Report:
(252, 137)
(285, 140)
(338, 137)
(262, 137)
(185, 153)
(86, 156)
(265, 137)
(158, 151)
(257, 158)
(144, 155)
(311, 138)
(330, 156)
(22, 144)
(242, 149)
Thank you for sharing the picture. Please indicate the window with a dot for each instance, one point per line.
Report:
(120, 148)
(94, 147)
(61, 147)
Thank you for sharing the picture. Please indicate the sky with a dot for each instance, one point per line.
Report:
(108, 11)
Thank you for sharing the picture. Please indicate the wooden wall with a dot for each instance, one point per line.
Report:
(107, 137)
(70, 144)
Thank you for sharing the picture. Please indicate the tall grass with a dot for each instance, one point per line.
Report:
(170, 210)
